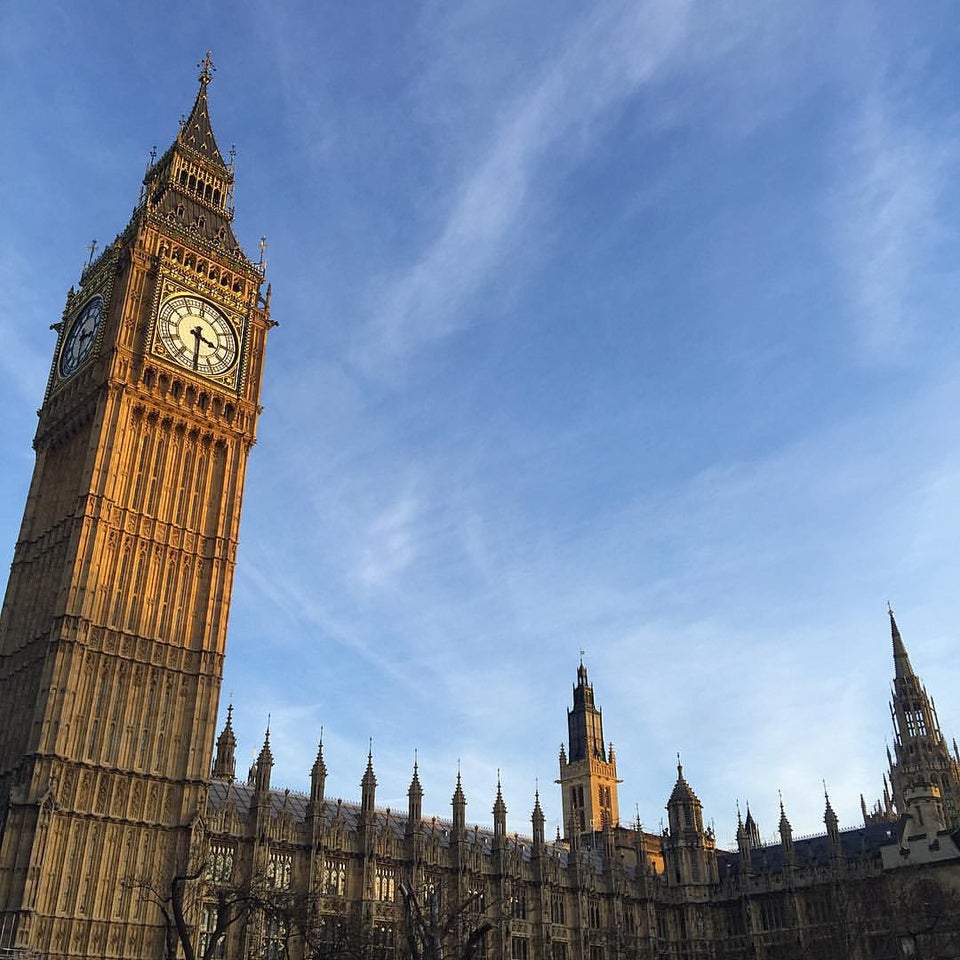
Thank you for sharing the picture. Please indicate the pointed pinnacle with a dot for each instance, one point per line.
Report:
(901, 662)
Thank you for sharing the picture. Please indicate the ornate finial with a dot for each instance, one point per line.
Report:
(93, 249)
(206, 69)
(263, 249)
(153, 155)
(233, 155)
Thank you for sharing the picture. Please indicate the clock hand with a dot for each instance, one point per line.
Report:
(197, 337)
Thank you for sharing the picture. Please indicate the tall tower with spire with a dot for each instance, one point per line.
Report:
(113, 629)
(921, 756)
(588, 773)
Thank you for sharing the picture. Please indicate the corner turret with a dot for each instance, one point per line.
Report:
(225, 762)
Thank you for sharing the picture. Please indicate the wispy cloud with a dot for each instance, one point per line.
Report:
(607, 57)
(893, 173)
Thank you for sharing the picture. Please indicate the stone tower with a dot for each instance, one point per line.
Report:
(113, 628)
(921, 756)
(588, 775)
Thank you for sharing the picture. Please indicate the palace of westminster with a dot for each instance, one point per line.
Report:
(124, 830)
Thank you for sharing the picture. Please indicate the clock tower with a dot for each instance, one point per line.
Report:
(113, 628)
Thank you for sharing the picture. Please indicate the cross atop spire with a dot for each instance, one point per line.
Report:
(206, 69)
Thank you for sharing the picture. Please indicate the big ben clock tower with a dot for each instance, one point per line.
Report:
(113, 628)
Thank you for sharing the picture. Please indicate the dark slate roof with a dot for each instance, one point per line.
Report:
(858, 844)
(216, 228)
(197, 132)
(222, 792)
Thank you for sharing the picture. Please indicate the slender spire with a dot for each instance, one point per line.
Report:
(459, 808)
(538, 821)
(901, 662)
(318, 775)
(264, 764)
(414, 802)
(753, 830)
(368, 788)
(830, 819)
(415, 788)
(499, 813)
(786, 833)
(225, 764)
(266, 754)
(369, 777)
(197, 132)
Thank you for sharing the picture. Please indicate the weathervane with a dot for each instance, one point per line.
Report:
(206, 69)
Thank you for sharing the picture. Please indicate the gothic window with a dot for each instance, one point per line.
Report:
(557, 909)
(385, 884)
(332, 936)
(279, 870)
(771, 913)
(915, 723)
(208, 923)
(334, 878)
(275, 939)
(519, 948)
(593, 914)
(382, 941)
(558, 950)
(518, 905)
(220, 863)
(477, 901)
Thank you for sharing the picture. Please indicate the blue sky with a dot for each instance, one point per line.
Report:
(628, 327)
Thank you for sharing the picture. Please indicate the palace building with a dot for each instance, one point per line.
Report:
(125, 832)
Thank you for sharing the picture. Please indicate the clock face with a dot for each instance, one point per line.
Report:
(80, 339)
(197, 335)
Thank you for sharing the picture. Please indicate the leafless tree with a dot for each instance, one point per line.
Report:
(428, 928)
